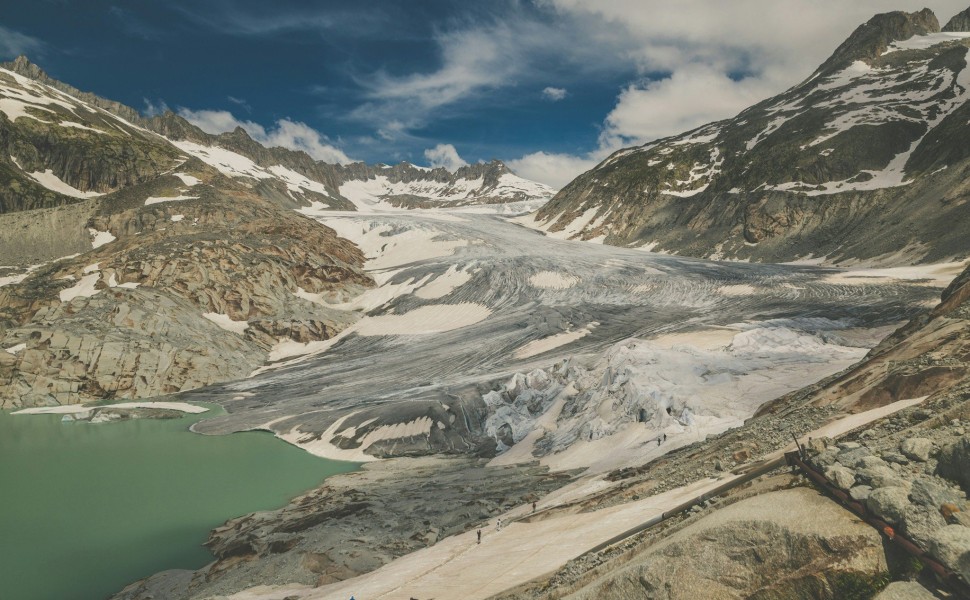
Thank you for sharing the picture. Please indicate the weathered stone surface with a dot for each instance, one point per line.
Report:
(842, 477)
(889, 503)
(951, 546)
(954, 463)
(959, 22)
(879, 477)
(921, 524)
(905, 590)
(918, 449)
(860, 492)
(932, 494)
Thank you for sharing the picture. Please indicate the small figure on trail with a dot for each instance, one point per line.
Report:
(533, 506)
(498, 525)
(665, 437)
(659, 439)
(479, 536)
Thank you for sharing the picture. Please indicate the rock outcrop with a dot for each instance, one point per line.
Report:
(959, 22)
(150, 272)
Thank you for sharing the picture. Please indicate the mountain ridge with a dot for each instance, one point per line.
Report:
(176, 128)
(861, 162)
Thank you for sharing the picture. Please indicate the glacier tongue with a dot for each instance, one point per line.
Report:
(614, 411)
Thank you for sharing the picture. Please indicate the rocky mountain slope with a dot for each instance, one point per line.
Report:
(866, 157)
(143, 256)
(176, 276)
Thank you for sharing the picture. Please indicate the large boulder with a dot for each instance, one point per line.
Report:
(954, 463)
(905, 590)
(842, 477)
(921, 524)
(952, 547)
(918, 449)
(889, 504)
(933, 494)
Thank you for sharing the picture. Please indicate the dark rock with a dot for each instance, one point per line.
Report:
(959, 22)
(953, 463)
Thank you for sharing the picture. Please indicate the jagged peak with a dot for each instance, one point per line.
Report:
(872, 38)
(23, 66)
(959, 22)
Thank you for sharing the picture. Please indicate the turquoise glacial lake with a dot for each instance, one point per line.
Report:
(86, 509)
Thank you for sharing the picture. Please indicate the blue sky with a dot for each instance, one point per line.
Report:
(550, 86)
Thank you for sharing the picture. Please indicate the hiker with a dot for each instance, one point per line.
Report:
(479, 536)
(665, 437)
(658, 440)
(498, 525)
(533, 506)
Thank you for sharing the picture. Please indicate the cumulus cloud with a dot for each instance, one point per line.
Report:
(444, 155)
(553, 169)
(690, 97)
(554, 94)
(13, 43)
(154, 107)
(294, 135)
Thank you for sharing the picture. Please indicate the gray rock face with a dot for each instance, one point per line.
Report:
(954, 463)
(860, 492)
(951, 546)
(932, 494)
(840, 476)
(918, 449)
(922, 525)
(889, 503)
(905, 590)
(880, 477)
(872, 38)
(959, 22)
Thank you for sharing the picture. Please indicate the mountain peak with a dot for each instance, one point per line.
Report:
(22, 66)
(872, 38)
(960, 22)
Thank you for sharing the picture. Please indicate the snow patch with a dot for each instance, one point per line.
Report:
(161, 199)
(84, 288)
(54, 183)
(225, 322)
(100, 238)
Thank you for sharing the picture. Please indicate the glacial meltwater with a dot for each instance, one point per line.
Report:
(86, 509)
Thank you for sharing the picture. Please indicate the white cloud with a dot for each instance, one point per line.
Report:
(690, 97)
(555, 170)
(554, 94)
(153, 109)
(444, 155)
(294, 135)
(13, 43)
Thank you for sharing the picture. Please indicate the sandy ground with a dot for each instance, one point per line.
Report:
(67, 409)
